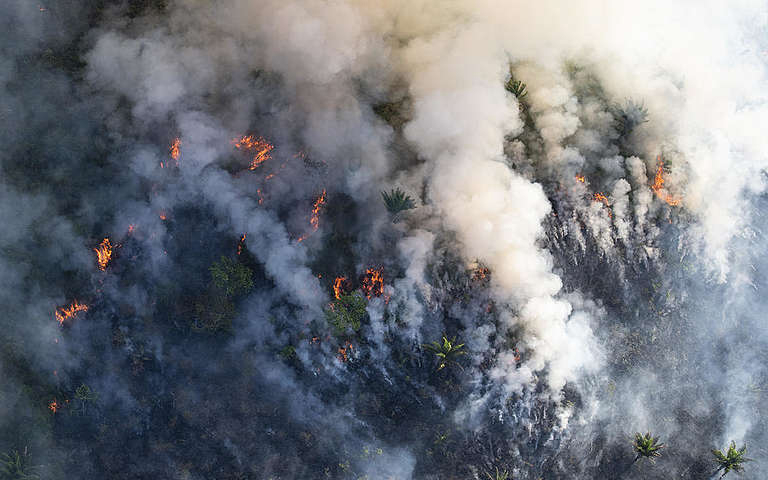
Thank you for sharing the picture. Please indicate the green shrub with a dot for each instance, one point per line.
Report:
(346, 314)
(231, 277)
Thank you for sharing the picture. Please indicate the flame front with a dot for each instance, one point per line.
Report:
(373, 283)
(315, 218)
(63, 313)
(658, 186)
(175, 150)
(345, 351)
(262, 149)
(240, 244)
(338, 287)
(581, 178)
(103, 253)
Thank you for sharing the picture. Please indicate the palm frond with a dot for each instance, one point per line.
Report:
(647, 446)
(397, 201)
(732, 459)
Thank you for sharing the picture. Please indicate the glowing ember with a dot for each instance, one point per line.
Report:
(53, 406)
(315, 218)
(131, 228)
(64, 313)
(261, 149)
(338, 287)
(269, 177)
(175, 150)
(373, 283)
(599, 197)
(343, 351)
(480, 273)
(580, 178)
(162, 215)
(658, 186)
(240, 244)
(103, 253)
(261, 198)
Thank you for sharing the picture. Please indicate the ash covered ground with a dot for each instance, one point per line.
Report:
(350, 239)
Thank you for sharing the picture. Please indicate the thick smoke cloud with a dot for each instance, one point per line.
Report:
(594, 241)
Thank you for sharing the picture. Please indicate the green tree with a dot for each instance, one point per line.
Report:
(446, 352)
(732, 459)
(14, 466)
(396, 202)
(646, 446)
(346, 314)
(85, 395)
(231, 277)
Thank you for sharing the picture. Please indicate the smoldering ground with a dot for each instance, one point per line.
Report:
(588, 184)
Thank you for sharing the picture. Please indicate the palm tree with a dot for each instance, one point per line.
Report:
(732, 459)
(516, 88)
(13, 466)
(629, 116)
(447, 352)
(85, 395)
(397, 201)
(498, 475)
(647, 446)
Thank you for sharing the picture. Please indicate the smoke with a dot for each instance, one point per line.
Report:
(589, 241)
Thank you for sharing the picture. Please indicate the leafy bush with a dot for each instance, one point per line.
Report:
(231, 277)
(347, 313)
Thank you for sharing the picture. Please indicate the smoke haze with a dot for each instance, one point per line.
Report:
(588, 189)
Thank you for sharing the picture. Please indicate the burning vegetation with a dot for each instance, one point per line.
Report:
(175, 150)
(257, 146)
(103, 254)
(314, 219)
(69, 312)
(372, 283)
(658, 186)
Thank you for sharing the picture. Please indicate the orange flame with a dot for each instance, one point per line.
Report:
(315, 218)
(53, 406)
(262, 149)
(338, 287)
(580, 178)
(162, 215)
(103, 253)
(373, 283)
(343, 355)
(63, 313)
(658, 186)
(175, 150)
(599, 197)
(480, 273)
(241, 244)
